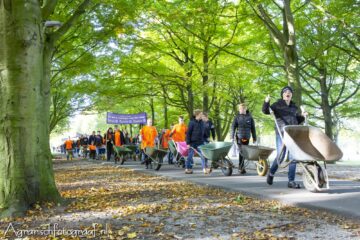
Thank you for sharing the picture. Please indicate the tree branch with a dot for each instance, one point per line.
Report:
(48, 8)
(68, 24)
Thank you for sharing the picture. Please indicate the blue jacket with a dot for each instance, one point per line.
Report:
(195, 133)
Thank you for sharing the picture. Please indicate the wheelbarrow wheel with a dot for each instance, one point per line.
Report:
(214, 164)
(315, 179)
(122, 159)
(262, 167)
(181, 162)
(226, 166)
(158, 163)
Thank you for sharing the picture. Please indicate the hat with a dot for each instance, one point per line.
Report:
(286, 88)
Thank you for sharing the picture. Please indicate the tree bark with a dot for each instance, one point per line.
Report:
(290, 52)
(26, 175)
(166, 119)
(286, 41)
(325, 105)
(190, 96)
(205, 79)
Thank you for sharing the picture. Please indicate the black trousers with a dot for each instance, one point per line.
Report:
(242, 141)
(109, 150)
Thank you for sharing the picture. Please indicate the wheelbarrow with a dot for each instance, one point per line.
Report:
(259, 154)
(132, 155)
(179, 158)
(217, 152)
(308, 145)
(156, 155)
(120, 153)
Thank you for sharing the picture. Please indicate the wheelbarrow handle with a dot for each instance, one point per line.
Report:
(276, 123)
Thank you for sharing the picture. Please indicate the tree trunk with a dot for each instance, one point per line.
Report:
(290, 52)
(205, 79)
(166, 119)
(286, 41)
(292, 72)
(217, 120)
(325, 105)
(152, 110)
(190, 95)
(48, 190)
(26, 175)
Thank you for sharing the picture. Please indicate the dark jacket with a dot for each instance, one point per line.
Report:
(195, 133)
(209, 129)
(98, 140)
(245, 125)
(84, 141)
(110, 137)
(285, 114)
(92, 139)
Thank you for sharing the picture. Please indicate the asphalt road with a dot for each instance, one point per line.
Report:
(342, 198)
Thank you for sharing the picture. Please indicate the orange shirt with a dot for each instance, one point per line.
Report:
(92, 147)
(165, 138)
(179, 132)
(148, 135)
(118, 142)
(68, 144)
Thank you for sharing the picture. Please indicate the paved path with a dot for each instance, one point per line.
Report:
(342, 198)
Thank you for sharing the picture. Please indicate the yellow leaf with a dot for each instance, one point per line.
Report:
(131, 235)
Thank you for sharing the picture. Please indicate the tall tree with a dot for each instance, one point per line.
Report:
(284, 36)
(25, 62)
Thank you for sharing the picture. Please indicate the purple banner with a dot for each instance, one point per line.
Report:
(114, 118)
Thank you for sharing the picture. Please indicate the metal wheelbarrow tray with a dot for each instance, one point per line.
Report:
(156, 155)
(121, 152)
(218, 151)
(307, 145)
(257, 153)
(133, 148)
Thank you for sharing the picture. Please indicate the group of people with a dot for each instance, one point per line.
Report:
(96, 144)
(286, 113)
(177, 133)
(198, 132)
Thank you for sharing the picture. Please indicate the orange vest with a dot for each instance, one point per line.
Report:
(179, 132)
(68, 144)
(148, 135)
(165, 138)
(118, 142)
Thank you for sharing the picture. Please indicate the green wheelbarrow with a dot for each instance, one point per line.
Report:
(120, 153)
(217, 152)
(132, 155)
(156, 156)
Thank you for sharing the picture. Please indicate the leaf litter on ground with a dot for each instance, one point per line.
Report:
(104, 202)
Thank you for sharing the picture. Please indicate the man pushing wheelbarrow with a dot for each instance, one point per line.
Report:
(286, 113)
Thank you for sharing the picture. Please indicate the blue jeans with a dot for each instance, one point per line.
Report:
(275, 166)
(189, 160)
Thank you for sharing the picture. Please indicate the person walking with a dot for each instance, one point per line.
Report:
(148, 136)
(69, 149)
(209, 128)
(194, 139)
(286, 113)
(110, 139)
(178, 132)
(245, 126)
(98, 144)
